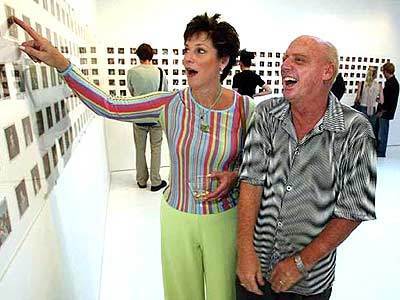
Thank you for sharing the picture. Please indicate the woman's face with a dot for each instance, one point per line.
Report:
(201, 62)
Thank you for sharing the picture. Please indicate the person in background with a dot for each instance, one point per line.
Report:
(387, 110)
(369, 93)
(308, 180)
(144, 79)
(338, 88)
(205, 125)
(246, 81)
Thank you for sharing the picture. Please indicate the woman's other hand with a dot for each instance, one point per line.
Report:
(226, 180)
(40, 49)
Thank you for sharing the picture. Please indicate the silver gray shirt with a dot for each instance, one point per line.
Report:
(330, 173)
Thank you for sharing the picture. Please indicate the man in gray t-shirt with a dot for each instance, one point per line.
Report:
(143, 79)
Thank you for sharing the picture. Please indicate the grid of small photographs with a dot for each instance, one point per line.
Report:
(112, 71)
(37, 142)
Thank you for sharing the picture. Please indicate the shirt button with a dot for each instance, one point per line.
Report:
(288, 188)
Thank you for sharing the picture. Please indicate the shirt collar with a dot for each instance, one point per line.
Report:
(333, 119)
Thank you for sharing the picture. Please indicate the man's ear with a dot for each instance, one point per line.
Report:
(329, 72)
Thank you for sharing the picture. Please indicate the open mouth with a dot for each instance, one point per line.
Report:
(191, 72)
(289, 81)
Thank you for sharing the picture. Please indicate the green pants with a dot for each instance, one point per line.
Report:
(198, 254)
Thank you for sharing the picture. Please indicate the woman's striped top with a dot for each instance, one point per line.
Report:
(193, 152)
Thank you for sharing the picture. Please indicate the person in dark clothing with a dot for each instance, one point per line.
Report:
(246, 81)
(338, 88)
(387, 110)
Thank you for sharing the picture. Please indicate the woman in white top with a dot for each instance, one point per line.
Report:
(369, 94)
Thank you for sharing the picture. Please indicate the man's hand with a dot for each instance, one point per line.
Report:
(40, 49)
(284, 275)
(249, 273)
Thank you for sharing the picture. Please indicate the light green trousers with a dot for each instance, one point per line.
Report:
(198, 254)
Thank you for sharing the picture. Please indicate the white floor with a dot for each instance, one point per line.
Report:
(368, 264)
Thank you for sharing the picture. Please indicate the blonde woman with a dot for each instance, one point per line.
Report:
(369, 94)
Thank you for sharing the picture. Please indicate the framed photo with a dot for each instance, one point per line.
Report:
(12, 141)
(39, 122)
(61, 143)
(12, 28)
(63, 111)
(57, 112)
(34, 77)
(46, 165)
(22, 197)
(5, 224)
(49, 117)
(66, 137)
(54, 154)
(19, 78)
(4, 90)
(36, 179)
(71, 134)
(26, 125)
(45, 80)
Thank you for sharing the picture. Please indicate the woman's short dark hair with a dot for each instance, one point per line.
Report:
(144, 52)
(223, 36)
(246, 57)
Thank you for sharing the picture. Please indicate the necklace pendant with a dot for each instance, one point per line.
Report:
(205, 127)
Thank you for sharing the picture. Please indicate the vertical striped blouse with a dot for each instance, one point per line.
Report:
(193, 152)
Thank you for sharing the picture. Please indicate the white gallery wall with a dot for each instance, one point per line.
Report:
(357, 28)
(52, 246)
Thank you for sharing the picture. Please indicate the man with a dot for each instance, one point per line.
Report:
(143, 79)
(307, 181)
(388, 108)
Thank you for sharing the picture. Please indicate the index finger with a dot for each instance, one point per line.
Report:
(36, 36)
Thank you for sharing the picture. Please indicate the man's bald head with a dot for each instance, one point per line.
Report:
(326, 49)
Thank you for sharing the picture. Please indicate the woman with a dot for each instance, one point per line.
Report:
(205, 126)
(369, 93)
(246, 81)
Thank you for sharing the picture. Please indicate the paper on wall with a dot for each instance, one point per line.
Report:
(9, 51)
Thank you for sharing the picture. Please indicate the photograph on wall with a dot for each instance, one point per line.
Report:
(54, 154)
(45, 80)
(49, 116)
(46, 165)
(5, 225)
(12, 28)
(22, 197)
(40, 122)
(19, 77)
(36, 179)
(26, 125)
(4, 90)
(34, 77)
(61, 144)
(12, 141)
(57, 112)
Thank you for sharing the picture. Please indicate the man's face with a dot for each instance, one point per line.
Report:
(304, 69)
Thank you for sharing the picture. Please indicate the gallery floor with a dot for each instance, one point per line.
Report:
(368, 264)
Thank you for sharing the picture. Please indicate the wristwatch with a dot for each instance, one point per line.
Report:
(300, 265)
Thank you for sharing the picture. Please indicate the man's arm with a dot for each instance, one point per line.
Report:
(335, 232)
(248, 266)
